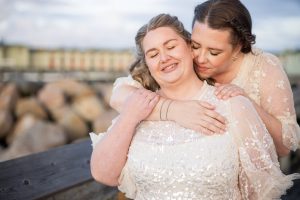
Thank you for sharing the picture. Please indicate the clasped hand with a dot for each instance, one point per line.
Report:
(139, 105)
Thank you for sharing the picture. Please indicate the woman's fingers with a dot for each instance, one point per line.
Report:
(215, 115)
(141, 103)
(206, 105)
(153, 101)
(226, 91)
(213, 122)
(209, 128)
(210, 121)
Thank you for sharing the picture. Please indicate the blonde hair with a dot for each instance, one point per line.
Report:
(139, 70)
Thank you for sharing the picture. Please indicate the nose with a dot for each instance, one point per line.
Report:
(164, 56)
(200, 56)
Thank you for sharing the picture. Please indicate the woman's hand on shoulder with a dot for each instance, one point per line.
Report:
(197, 115)
(225, 91)
(139, 105)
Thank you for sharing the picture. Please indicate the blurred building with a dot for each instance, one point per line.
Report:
(21, 58)
(24, 59)
(291, 63)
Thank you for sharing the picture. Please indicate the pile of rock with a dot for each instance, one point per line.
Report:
(59, 113)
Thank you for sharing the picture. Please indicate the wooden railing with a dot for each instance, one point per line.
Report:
(60, 173)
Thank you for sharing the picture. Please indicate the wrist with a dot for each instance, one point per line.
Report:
(171, 114)
(129, 120)
(164, 110)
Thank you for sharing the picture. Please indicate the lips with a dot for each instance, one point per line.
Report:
(202, 68)
(169, 68)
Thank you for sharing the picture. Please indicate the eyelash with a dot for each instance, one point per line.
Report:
(195, 47)
(198, 47)
(171, 47)
(214, 54)
(152, 56)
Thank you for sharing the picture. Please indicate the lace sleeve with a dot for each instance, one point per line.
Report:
(259, 175)
(128, 80)
(277, 99)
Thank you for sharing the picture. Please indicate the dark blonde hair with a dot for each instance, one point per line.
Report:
(231, 15)
(139, 70)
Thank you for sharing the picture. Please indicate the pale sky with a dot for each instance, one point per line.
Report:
(114, 23)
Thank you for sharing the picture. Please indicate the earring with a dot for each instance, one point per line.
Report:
(234, 58)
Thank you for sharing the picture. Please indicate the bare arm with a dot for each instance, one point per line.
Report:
(110, 154)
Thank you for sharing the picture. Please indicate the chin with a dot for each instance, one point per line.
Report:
(203, 76)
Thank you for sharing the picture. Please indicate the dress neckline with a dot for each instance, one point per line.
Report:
(201, 91)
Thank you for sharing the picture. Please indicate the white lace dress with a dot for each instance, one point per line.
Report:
(263, 78)
(167, 161)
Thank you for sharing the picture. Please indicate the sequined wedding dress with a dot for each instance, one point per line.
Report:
(167, 161)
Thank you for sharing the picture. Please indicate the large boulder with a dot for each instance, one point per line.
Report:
(102, 123)
(52, 97)
(24, 123)
(104, 90)
(6, 122)
(88, 107)
(74, 125)
(30, 105)
(40, 137)
(73, 88)
(8, 96)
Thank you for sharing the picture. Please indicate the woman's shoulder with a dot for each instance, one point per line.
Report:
(207, 93)
(239, 102)
(210, 97)
(267, 59)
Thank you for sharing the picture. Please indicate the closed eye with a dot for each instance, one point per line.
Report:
(195, 46)
(171, 47)
(213, 53)
(153, 55)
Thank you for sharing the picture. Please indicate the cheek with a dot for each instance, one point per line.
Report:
(151, 66)
(194, 52)
(218, 62)
(185, 53)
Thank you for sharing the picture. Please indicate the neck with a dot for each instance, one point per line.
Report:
(185, 90)
(231, 73)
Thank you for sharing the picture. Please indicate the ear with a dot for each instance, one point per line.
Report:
(237, 49)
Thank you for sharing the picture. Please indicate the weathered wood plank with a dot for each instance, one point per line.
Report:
(90, 190)
(43, 174)
(296, 93)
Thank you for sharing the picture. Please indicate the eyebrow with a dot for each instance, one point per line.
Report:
(166, 42)
(209, 48)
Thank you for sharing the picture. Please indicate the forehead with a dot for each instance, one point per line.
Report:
(203, 34)
(158, 37)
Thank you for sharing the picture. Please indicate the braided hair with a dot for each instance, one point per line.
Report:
(229, 15)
